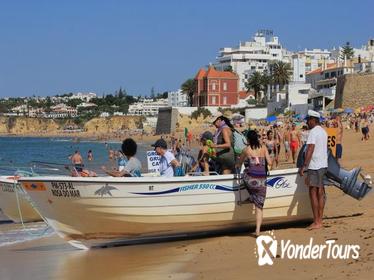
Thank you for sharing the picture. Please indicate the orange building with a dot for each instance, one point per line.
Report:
(216, 88)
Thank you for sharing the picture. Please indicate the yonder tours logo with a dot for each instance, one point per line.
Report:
(267, 248)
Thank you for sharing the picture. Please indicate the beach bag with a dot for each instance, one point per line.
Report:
(240, 142)
(178, 171)
(186, 160)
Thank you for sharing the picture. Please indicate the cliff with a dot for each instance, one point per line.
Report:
(34, 126)
(354, 90)
(23, 125)
(114, 124)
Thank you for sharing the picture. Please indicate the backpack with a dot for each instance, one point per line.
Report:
(240, 142)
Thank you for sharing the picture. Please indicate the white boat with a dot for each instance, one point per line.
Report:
(89, 212)
(10, 206)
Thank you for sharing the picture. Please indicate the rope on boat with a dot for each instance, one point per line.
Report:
(16, 188)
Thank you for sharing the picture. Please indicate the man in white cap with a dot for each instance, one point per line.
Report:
(316, 164)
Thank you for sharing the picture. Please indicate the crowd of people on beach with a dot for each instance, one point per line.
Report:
(254, 150)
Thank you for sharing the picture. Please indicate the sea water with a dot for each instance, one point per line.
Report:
(11, 233)
(23, 152)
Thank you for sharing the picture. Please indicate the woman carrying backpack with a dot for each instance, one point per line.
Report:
(223, 142)
(256, 159)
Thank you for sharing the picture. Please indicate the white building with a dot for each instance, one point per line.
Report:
(86, 105)
(364, 67)
(366, 52)
(308, 60)
(298, 67)
(147, 107)
(20, 110)
(315, 58)
(104, 115)
(118, 114)
(177, 98)
(251, 56)
(298, 94)
(61, 111)
(324, 80)
(326, 76)
(86, 97)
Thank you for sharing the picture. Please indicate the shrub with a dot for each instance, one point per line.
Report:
(252, 101)
(201, 111)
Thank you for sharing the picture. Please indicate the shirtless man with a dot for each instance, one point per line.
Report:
(77, 161)
(286, 142)
(295, 141)
(339, 137)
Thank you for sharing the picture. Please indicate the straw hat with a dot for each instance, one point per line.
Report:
(217, 115)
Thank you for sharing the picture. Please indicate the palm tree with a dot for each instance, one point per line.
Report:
(280, 73)
(189, 87)
(257, 82)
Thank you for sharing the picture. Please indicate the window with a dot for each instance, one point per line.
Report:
(225, 86)
(224, 100)
(213, 100)
(214, 86)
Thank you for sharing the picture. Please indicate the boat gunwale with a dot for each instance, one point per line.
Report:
(142, 180)
(6, 179)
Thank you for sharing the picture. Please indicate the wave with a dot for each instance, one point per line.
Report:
(20, 235)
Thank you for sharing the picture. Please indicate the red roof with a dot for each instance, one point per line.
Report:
(213, 73)
(319, 70)
(315, 71)
(201, 74)
(244, 94)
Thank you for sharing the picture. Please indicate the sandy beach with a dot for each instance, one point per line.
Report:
(229, 256)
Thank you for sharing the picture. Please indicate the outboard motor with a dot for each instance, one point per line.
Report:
(339, 177)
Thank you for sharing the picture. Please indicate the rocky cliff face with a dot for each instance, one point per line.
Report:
(114, 124)
(23, 125)
(355, 90)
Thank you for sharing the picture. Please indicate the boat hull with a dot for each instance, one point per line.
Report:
(9, 205)
(98, 211)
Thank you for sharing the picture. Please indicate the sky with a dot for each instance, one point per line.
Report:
(55, 47)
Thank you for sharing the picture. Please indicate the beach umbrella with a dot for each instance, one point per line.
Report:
(271, 118)
(369, 108)
(348, 110)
